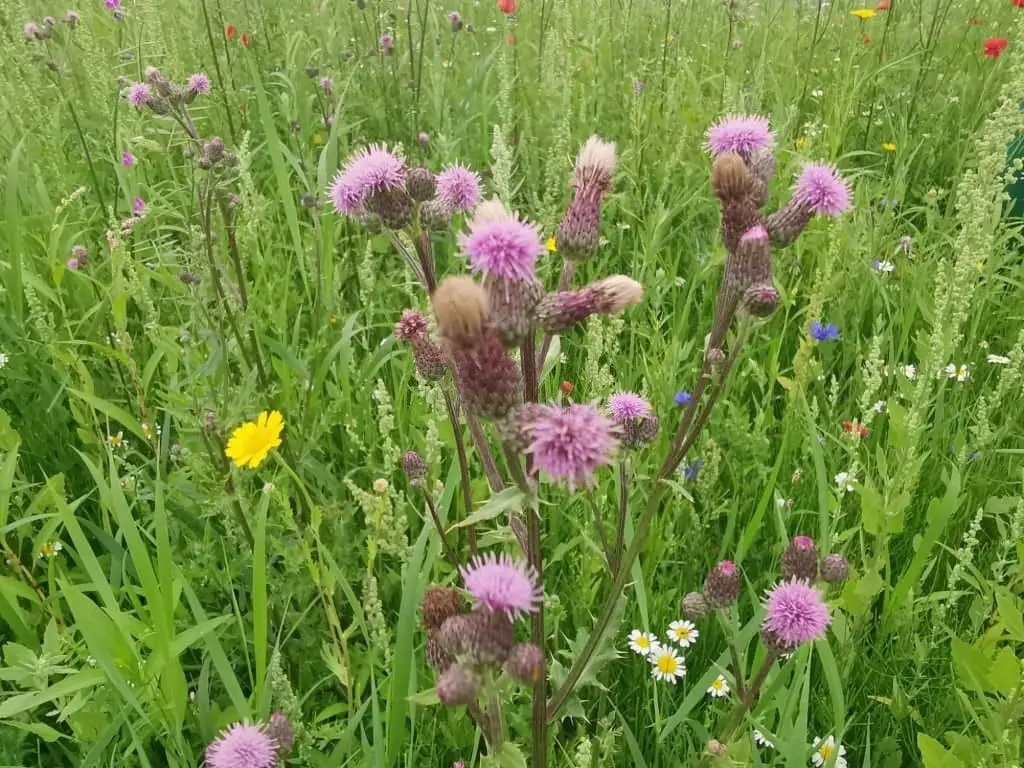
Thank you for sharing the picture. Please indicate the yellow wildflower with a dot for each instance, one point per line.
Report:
(551, 245)
(863, 13)
(251, 442)
(800, 143)
(318, 140)
(889, 146)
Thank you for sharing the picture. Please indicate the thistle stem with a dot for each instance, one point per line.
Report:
(448, 551)
(564, 281)
(620, 528)
(460, 450)
(609, 553)
(483, 449)
(737, 666)
(748, 700)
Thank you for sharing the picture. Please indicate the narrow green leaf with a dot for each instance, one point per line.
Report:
(507, 500)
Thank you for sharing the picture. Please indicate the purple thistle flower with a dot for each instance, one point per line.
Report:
(372, 169)
(127, 159)
(626, 406)
(458, 187)
(796, 613)
(31, 30)
(326, 84)
(455, 19)
(502, 584)
(138, 206)
(72, 17)
(501, 245)
(571, 443)
(743, 134)
(138, 95)
(199, 83)
(821, 188)
(387, 42)
(828, 332)
(423, 138)
(111, 5)
(683, 398)
(241, 746)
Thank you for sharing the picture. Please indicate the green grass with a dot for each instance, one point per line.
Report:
(187, 595)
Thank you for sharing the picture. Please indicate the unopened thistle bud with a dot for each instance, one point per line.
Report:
(439, 603)
(421, 184)
(413, 465)
(579, 233)
(800, 560)
(460, 307)
(212, 152)
(281, 731)
(722, 586)
(762, 168)
(774, 644)
(489, 636)
(835, 568)
(458, 685)
(437, 656)
(512, 306)
(428, 357)
(750, 263)
(393, 205)
(162, 85)
(435, 216)
(486, 376)
(525, 663)
(516, 429)
(761, 300)
(564, 309)
(695, 606)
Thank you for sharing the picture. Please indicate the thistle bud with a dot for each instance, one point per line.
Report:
(458, 685)
(762, 168)
(786, 224)
(775, 644)
(800, 560)
(525, 663)
(512, 306)
(429, 359)
(435, 216)
(437, 656)
(460, 307)
(722, 586)
(516, 429)
(439, 603)
(485, 635)
(413, 465)
(730, 178)
(281, 731)
(393, 206)
(421, 184)
(695, 606)
(579, 233)
(750, 263)
(761, 300)
(835, 568)
(559, 311)
(486, 377)
(156, 78)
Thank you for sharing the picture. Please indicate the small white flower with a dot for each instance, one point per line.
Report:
(683, 632)
(643, 643)
(667, 664)
(817, 93)
(680, 282)
(879, 406)
(760, 740)
(885, 266)
(950, 371)
(998, 360)
(719, 689)
(843, 480)
(825, 749)
(3, 359)
(963, 373)
(910, 371)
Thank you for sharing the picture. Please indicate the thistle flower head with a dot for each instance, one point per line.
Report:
(722, 586)
(421, 184)
(525, 663)
(460, 307)
(626, 406)
(834, 568)
(694, 606)
(413, 465)
(743, 134)
(730, 177)
(199, 83)
(31, 30)
(595, 163)
(458, 685)
(486, 376)
(138, 95)
(800, 560)
(411, 326)
(570, 443)
(823, 190)
(501, 245)
(502, 585)
(373, 169)
(242, 746)
(282, 733)
(796, 613)
(440, 604)
(458, 188)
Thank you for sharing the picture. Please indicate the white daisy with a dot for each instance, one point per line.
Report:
(998, 360)
(843, 480)
(667, 664)
(683, 632)
(3, 359)
(719, 689)
(879, 406)
(963, 373)
(643, 643)
(825, 749)
(950, 371)
(910, 371)
(760, 740)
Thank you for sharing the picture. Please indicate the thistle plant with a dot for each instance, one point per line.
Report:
(492, 331)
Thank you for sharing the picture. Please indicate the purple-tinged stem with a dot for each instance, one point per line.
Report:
(449, 552)
(564, 282)
(483, 449)
(460, 450)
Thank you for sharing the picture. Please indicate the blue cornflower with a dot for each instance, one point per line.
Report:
(692, 468)
(683, 398)
(827, 332)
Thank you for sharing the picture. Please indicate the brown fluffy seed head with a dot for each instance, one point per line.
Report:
(722, 586)
(414, 467)
(730, 178)
(695, 606)
(486, 376)
(460, 307)
(617, 292)
(281, 731)
(786, 224)
(525, 663)
(458, 685)
(421, 184)
(437, 656)
(834, 568)
(595, 164)
(800, 560)
(761, 300)
(715, 747)
(439, 603)
(512, 307)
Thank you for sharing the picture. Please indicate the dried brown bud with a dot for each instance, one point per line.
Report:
(440, 604)
(460, 307)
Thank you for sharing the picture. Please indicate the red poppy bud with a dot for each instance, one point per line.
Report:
(229, 31)
(566, 387)
(245, 40)
(507, 6)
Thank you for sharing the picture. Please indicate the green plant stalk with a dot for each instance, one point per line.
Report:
(620, 527)
(747, 701)
(734, 653)
(460, 451)
(448, 551)
(609, 553)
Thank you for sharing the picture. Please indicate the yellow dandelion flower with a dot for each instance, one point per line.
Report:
(800, 143)
(251, 442)
(318, 140)
(889, 146)
(863, 13)
(552, 245)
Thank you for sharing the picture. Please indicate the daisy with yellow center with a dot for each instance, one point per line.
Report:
(683, 633)
(762, 741)
(863, 13)
(643, 643)
(667, 665)
(116, 441)
(719, 689)
(825, 750)
(251, 442)
(889, 146)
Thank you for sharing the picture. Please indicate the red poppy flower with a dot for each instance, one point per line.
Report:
(507, 6)
(245, 40)
(882, 6)
(995, 46)
(566, 387)
(1017, 3)
(229, 31)
(848, 426)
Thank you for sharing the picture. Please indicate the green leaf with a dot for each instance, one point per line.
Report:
(872, 509)
(42, 730)
(1010, 614)
(427, 698)
(972, 666)
(1005, 671)
(112, 411)
(23, 702)
(507, 756)
(934, 755)
(507, 500)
